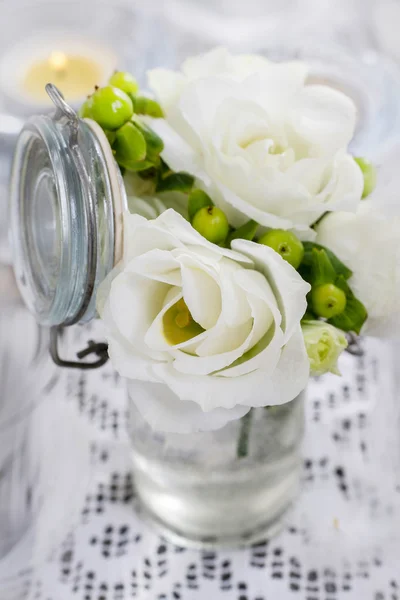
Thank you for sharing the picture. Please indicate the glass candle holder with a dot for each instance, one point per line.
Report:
(75, 45)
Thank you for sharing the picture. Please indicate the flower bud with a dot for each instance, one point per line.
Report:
(369, 173)
(324, 344)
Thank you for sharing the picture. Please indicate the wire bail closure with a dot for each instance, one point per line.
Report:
(100, 349)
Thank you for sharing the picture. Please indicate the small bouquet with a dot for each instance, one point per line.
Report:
(250, 252)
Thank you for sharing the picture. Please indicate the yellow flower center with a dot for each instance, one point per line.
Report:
(179, 325)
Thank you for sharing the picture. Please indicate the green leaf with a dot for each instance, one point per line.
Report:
(245, 232)
(196, 201)
(164, 169)
(321, 268)
(355, 313)
(340, 268)
(150, 173)
(175, 182)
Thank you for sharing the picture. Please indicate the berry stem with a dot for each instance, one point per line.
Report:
(244, 434)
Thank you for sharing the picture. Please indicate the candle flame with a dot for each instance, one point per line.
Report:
(58, 61)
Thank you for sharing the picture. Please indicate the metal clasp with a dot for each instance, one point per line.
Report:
(98, 348)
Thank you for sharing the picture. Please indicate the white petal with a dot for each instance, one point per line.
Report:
(167, 86)
(127, 362)
(149, 208)
(159, 265)
(200, 101)
(265, 345)
(127, 359)
(238, 210)
(289, 288)
(222, 346)
(134, 303)
(215, 62)
(291, 375)
(164, 411)
(184, 232)
(103, 291)
(177, 153)
(141, 235)
(236, 309)
(254, 389)
(324, 117)
(154, 337)
(201, 294)
(347, 186)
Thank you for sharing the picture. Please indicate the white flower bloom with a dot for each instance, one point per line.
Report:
(261, 142)
(368, 243)
(221, 328)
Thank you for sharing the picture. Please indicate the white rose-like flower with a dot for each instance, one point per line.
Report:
(221, 328)
(368, 243)
(261, 142)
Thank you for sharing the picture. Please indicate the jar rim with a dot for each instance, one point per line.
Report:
(66, 199)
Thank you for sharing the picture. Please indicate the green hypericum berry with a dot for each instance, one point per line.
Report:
(369, 174)
(110, 107)
(286, 244)
(196, 201)
(124, 81)
(129, 146)
(147, 106)
(212, 223)
(85, 111)
(328, 300)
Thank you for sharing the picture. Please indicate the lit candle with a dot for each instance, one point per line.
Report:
(74, 65)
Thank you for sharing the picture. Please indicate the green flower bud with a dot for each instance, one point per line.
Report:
(369, 173)
(324, 344)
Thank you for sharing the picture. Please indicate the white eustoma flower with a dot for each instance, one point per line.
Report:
(261, 142)
(368, 243)
(238, 311)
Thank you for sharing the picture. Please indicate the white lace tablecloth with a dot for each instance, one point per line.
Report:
(340, 541)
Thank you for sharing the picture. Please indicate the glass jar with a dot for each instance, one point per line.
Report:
(229, 487)
(36, 428)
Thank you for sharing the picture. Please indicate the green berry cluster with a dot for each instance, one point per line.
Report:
(331, 297)
(115, 108)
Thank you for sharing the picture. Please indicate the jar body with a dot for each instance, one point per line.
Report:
(229, 487)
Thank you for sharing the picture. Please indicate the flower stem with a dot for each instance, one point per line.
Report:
(243, 442)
